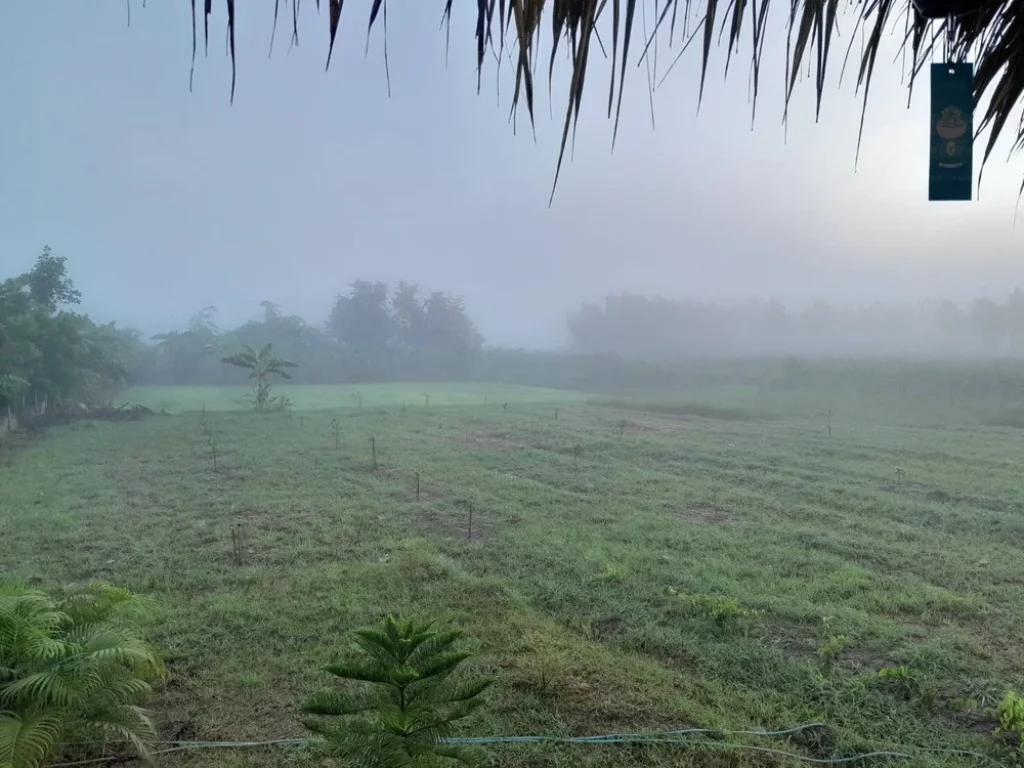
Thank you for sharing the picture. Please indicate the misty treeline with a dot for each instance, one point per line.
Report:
(630, 345)
(642, 328)
(374, 333)
(50, 353)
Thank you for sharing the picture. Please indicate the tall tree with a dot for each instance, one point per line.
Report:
(48, 282)
(51, 354)
(363, 327)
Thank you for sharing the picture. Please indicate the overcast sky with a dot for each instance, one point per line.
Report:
(166, 201)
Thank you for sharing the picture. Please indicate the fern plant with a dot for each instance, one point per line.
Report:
(402, 721)
(70, 676)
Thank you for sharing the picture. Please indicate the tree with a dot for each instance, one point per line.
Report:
(451, 341)
(362, 324)
(261, 366)
(409, 317)
(989, 324)
(406, 337)
(988, 30)
(48, 354)
(183, 352)
(48, 282)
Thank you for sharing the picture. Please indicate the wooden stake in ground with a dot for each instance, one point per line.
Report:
(373, 452)
(417, 486)
(236, 543)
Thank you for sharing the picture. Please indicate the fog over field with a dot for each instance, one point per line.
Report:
(168, 201)
(333, 433)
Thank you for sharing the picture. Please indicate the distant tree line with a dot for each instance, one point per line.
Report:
(657, 329)
(373, 333)
(51, 354)
(627, 345)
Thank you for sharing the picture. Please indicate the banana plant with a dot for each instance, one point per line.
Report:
(261, 366)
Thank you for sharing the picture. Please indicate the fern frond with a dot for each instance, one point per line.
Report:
(441, 664)
(27, 741)
(122, 725)
(435, 645)
(336, 704)
(60, 688)
(374, 673)
(96, 601)
(458, 754)
(108, 646)
(468, 691)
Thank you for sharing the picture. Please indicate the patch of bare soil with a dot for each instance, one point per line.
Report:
(976, 721)
(649, 425)
(860, 661)
(426, 494)
(494, 441)
(796, 640)
(705, 515)
(451, 525)
(609, 626)
(930, 493)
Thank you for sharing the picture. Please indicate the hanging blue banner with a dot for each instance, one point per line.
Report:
(951, 173)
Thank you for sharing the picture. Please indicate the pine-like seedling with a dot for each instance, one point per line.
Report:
(408, 701)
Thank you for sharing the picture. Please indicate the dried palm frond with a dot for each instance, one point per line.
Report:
(991, 32)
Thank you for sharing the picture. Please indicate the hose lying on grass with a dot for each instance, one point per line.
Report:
(661, 737)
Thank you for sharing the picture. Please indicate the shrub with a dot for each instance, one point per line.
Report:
(1011, 716)
(69, 675)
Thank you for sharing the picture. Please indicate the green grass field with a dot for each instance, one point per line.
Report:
(627, 570)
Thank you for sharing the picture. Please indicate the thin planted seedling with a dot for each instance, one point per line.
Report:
(468, 506)
(237, 544)
(417, 486)
(373, 452)
(336, 426)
